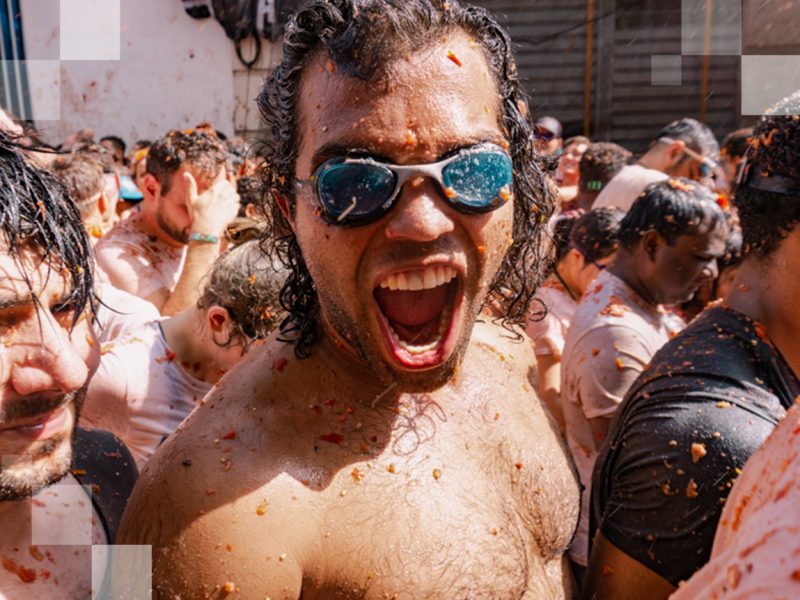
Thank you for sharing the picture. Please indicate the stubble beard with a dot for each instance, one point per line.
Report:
(43, 463)
(179, 235)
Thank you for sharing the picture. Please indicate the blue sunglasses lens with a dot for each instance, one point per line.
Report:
(353, 193)
(356, 193)
(481, 181)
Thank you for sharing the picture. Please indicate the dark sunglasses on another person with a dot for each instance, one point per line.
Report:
(540, 133)
(358, 190)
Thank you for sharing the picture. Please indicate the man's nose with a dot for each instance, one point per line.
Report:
(46, 360)
(421, 213)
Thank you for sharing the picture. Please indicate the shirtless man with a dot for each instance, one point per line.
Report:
(396, 450)
(48, 517)
(162, 253)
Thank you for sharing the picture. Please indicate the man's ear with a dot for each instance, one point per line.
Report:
(217, 319)
(675, 151)
(150, 186)
(651, 241)
(102, 203)
(283, 204)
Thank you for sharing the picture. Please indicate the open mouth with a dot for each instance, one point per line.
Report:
(417, 310)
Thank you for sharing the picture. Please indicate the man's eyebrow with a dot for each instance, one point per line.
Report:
(11, 300)
(343, 148)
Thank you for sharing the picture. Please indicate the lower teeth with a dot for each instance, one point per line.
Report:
(444, 320)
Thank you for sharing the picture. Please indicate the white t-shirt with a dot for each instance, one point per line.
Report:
(119, 312)
(145, 393)
(548, 334)
(756, 552)
(613, 336)
(626, 186)
(136, 262)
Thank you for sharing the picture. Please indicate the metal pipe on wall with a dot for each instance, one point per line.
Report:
(587, 83)
(706, 59)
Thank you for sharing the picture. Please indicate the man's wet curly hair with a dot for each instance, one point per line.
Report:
(36, 212)
(768, 200)
(246, 283)
(361, 38)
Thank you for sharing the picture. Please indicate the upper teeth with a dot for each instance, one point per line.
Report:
(423, 279)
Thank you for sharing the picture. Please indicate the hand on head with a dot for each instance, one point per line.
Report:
(212, 210)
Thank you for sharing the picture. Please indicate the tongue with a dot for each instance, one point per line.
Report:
(412, 309)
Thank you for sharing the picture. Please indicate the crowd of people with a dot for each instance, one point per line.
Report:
(415, 346)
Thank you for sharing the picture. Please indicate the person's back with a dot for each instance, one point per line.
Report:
(711, 398)
(397, 449)
(153, 377)
(626, 186)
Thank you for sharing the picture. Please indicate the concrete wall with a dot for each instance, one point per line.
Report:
(158, 69)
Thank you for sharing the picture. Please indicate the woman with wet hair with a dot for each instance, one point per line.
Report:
(584, 245)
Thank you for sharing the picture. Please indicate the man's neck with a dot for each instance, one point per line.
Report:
(187, 336)
(584, 200)
(562, 276)
(10, 510)
(340, 356)
(148, 222)
(765, 290)
(626, 268)
(651, 160)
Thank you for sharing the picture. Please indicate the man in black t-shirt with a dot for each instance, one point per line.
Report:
(710, 398)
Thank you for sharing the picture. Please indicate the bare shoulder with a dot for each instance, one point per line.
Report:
(216, 502)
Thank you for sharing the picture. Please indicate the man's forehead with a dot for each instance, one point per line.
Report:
(28, 273)
(427, 99)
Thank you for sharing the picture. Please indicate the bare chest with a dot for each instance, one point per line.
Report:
(455, 506)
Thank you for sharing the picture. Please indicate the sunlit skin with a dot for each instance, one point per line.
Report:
(567, 173)
(44, 366)
(323, 476)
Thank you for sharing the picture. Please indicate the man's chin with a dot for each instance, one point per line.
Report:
(41, 465)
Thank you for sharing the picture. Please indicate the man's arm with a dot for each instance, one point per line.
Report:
(209, 526)
(200, 257)
(549, 381)
(106, 404)
(614, 575)
(614, 358)
(211, 212)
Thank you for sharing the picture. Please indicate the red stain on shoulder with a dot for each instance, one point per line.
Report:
(280, 364)
(332, 438)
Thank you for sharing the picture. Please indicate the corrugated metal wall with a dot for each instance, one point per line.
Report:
(551, 41)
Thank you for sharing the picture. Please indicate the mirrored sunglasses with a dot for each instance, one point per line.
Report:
(356, 191)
